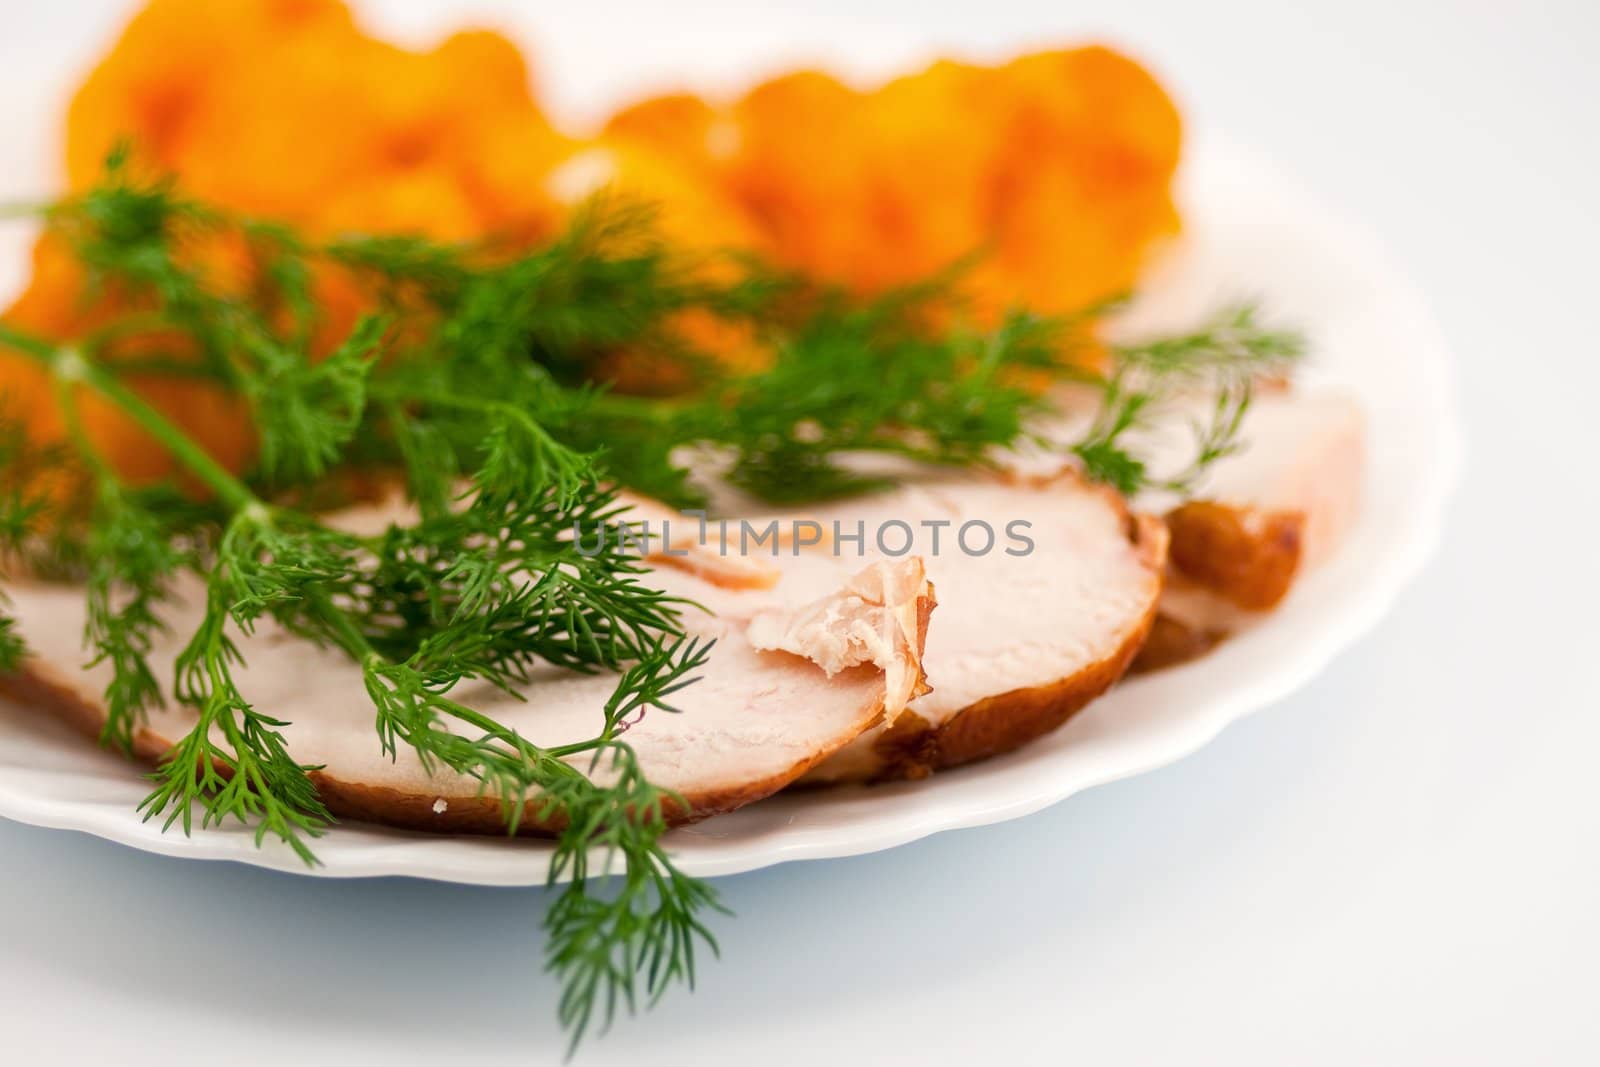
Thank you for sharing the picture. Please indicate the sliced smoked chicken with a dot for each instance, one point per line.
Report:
(1028, 631)
(754, 721)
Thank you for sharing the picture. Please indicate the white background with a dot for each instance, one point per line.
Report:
(1399, 864)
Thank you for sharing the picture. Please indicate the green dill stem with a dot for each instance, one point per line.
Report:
(473, 718)
(159, 366)
(563, 751)
(133, 323)
(80, 437)
(467, 403)
(245, 761)
(41, 350)
(69, 364)
(357, 647)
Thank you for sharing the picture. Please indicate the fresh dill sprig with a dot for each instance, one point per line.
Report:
(483, 592)
(846, 376)
(1220, 362)
(480, 592)
(307, 412)
(234, 762)
(133, 550)
(875, 379)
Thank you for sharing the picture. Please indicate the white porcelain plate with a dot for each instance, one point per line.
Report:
(1249, 231)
